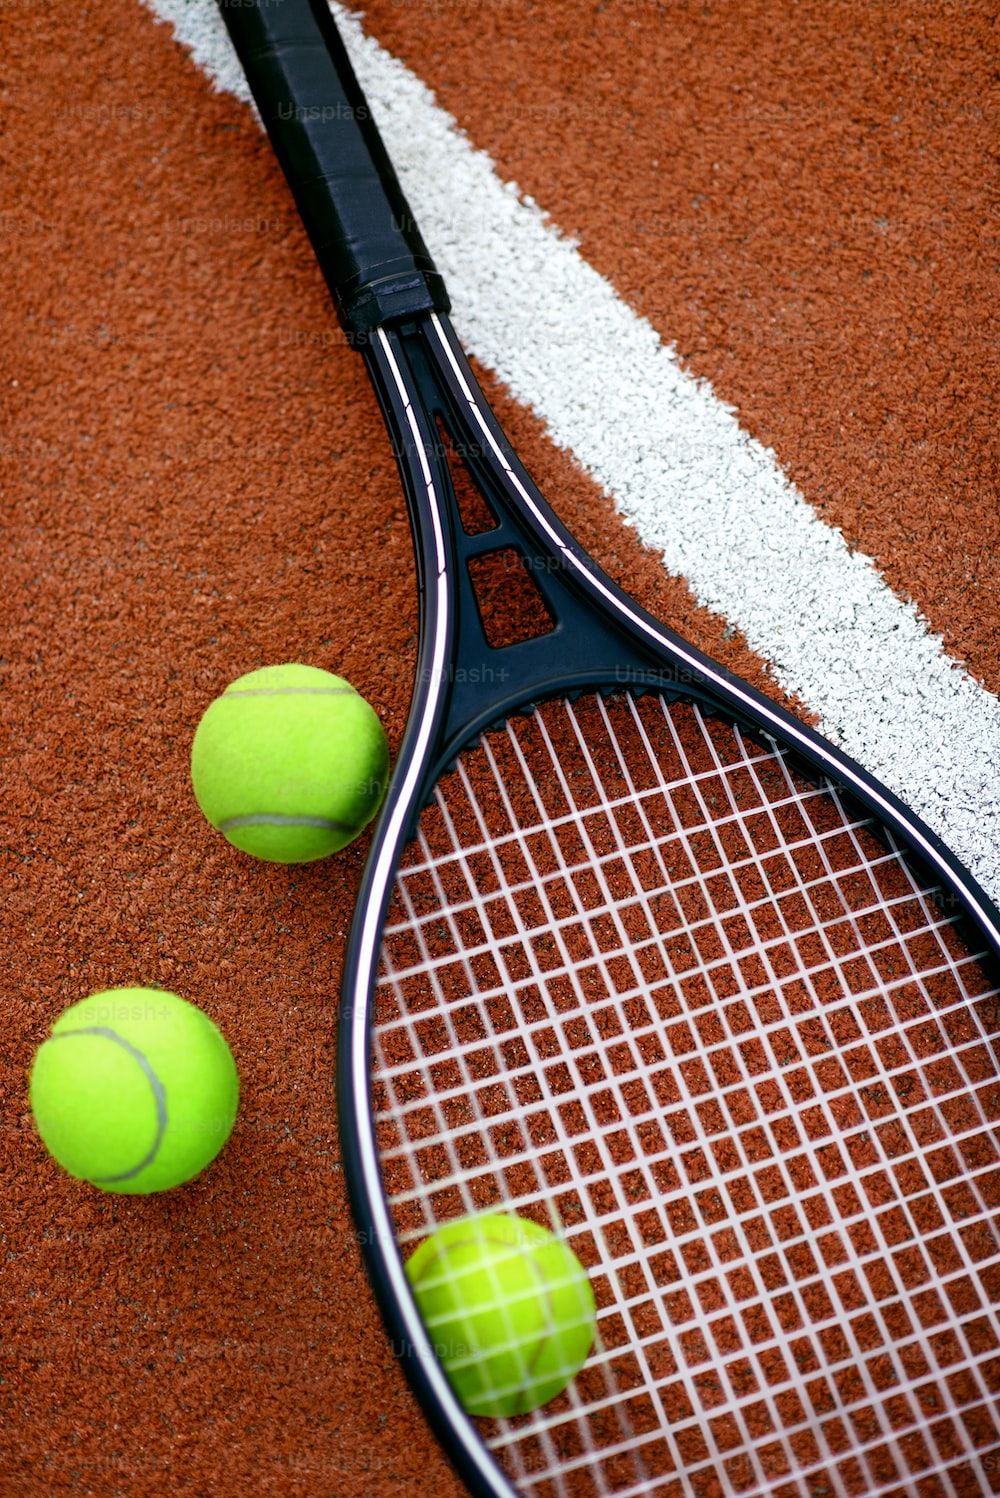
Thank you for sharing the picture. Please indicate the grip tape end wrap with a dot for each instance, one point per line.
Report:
(366, 239)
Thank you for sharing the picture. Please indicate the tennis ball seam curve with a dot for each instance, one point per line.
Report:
(277, 819)
(156, 1087)
(525, 1391)
(292, 692)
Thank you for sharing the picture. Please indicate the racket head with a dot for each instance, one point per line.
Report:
(630, 861)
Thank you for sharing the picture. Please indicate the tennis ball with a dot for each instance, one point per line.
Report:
(135, 1090)
(509, 1309)
(290, 763)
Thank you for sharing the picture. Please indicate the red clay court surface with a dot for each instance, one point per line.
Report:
(188, 494)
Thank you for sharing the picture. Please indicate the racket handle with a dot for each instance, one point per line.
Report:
(364, 235)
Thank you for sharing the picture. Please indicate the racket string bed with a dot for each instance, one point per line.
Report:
(644, 984)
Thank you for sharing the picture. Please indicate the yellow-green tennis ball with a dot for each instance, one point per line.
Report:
(135, 1090)
(509, 1310)
(290, 763)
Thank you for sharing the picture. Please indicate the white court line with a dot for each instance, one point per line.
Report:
(672, 457)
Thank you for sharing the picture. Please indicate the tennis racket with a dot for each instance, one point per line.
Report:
(640, 957)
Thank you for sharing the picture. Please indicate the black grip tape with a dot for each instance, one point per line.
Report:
(321, 127)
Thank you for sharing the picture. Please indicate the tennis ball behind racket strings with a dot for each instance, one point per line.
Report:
(508, 1308)
(290, 764)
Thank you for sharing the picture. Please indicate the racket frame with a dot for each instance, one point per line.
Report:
(392, 304)
(601, 641)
